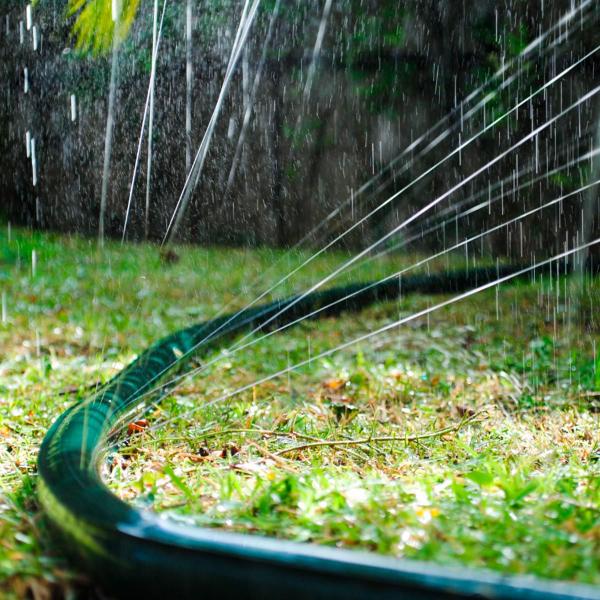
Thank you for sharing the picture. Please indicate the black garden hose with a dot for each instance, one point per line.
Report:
(134, 553)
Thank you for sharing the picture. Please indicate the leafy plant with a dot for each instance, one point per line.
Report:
(94, 27)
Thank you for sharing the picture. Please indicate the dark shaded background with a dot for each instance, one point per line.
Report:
(387, 72)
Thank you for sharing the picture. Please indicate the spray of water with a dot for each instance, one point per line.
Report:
(148, 107)
(193, 177)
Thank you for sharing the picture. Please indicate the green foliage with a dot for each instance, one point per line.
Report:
(94, 28)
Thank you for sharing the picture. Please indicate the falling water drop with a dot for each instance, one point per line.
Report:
(33, 163)
(116, 9)
(373, 158)
(28, 16)
(33, 263)
(28, 143)
(497, 303)
(25, 80)
(521, 237)
(35, 38)
(231, 128)
(73, 108)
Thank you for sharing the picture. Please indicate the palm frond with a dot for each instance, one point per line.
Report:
(94, 28)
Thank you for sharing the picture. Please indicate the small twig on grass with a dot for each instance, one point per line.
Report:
(263, 432)
(225, 432)
(387, 438)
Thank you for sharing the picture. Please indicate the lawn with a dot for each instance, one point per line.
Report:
(470, 436)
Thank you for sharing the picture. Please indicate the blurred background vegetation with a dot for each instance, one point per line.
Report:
(386, 72)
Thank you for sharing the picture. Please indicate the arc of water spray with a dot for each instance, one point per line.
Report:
(485, 204)
(563, 21)
(387, 278)
(393, 325)
(350, 262)
(196, 169)
(426, 208)
(537, 42)
(148, 106)
(176, 381)
(237, 347)
(471, 112)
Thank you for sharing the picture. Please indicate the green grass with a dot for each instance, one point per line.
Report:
(492, 405)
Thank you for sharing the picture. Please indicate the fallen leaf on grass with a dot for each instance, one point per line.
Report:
(334, 384)
(137, 426)
(229, 449)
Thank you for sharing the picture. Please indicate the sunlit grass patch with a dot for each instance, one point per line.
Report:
(469, 437)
